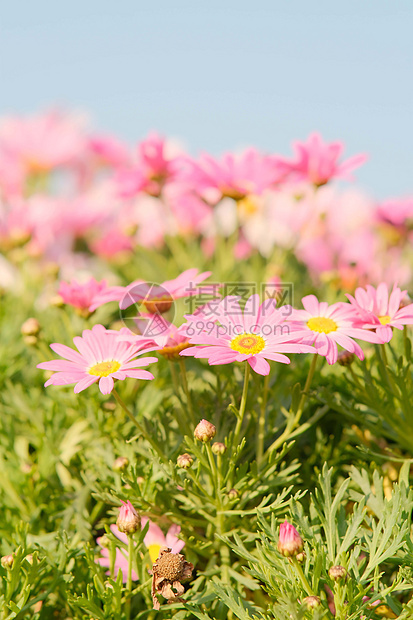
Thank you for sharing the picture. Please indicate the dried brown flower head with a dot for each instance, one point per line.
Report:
(169, 571)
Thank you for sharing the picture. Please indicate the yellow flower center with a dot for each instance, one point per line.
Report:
(158, 305)
(248, 344)
(154, 551)
(172, 353)
(247, 206)
(384, 320)
(322, 324)
(104, 369)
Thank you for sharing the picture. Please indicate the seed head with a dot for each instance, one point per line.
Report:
(170, 566)
(205, 431)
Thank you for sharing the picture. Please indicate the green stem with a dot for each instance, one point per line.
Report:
(212, 466)
(261, 423)
(131, 550)
(405, 339)
(140, 428)
(176, 385)
(241, 413)
(293, 422)
(186, 390)
(301, 576)
(385, 364)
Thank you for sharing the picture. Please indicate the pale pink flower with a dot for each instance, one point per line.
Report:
(375, 309)
(121, 558)
(101, 357)
(112, 244)
(317, 161)
(154, 540)
(44, 141)
(81, 295)
(289, 542)
(327, 326)
(256, 335)
(156, 164)
(233, 176)
(396, 211)
(108, 151)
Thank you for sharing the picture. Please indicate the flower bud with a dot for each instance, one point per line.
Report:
(30, 340)
(128, 521)
(300, 557)
(31, 327)
(233, 494)
(7, 561)
(104, 541)
(120, 464)
(218, 448)
(57, 301)
(345, 358)
(184, 460)
(205, 431)
(312, 601)
(337, 572)
(289, 541)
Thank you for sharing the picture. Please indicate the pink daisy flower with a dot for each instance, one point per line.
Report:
(256, 335)
(82, 295)
(44, 141)
(317, 161)
(327, 326)
(154, 540)
(375, 309)
(101, 357)
(233, 176)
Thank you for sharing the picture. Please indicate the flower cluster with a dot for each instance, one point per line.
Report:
(63, 188)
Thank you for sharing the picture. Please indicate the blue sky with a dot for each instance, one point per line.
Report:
(223, 75)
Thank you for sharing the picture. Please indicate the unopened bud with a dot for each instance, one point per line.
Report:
(30, 340)
(120, 464)
(29, 558)
(184, 460)
(31, 327)
(205, 431)
(337, 572)
(128, 521)
(57, 301)
(233, 494)
(300, 557)
(218, 447)
(7, 561)
(312, 601)
(289, 541)
(104, 541)
(345, 358)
